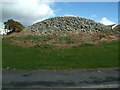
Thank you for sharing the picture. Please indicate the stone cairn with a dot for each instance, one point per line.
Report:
(66, 25)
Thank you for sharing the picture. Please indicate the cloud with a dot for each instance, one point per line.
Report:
(106, 21)
(93, 16)
(70, 15)
(1, 25)
(27, 11)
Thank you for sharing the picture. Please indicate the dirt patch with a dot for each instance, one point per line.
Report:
(27, 43)
(65, 45)
(69, 40)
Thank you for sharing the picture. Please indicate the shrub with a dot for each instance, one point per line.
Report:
(14, 26)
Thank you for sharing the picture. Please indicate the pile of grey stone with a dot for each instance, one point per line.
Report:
(66, 24)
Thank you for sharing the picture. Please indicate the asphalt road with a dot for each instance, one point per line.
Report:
(94, 78)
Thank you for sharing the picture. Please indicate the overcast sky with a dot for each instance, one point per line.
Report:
(28, 12)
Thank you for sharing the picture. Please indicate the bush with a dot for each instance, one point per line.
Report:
(14, 26)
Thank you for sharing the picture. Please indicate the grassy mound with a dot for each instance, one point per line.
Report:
(46, 56)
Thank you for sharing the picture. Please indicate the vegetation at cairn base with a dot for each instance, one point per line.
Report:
(77, 57)
(15, 26)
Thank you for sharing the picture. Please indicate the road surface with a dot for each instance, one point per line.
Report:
(91, 78)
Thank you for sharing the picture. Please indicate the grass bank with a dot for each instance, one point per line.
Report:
(46, 57)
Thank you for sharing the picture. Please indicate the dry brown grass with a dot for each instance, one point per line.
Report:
(27, 43)
(78, 39)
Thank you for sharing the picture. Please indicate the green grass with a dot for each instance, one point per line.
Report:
(46, 57)
(30, 37)
(59, 40)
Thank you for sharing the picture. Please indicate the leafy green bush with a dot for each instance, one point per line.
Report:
(15, 26)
